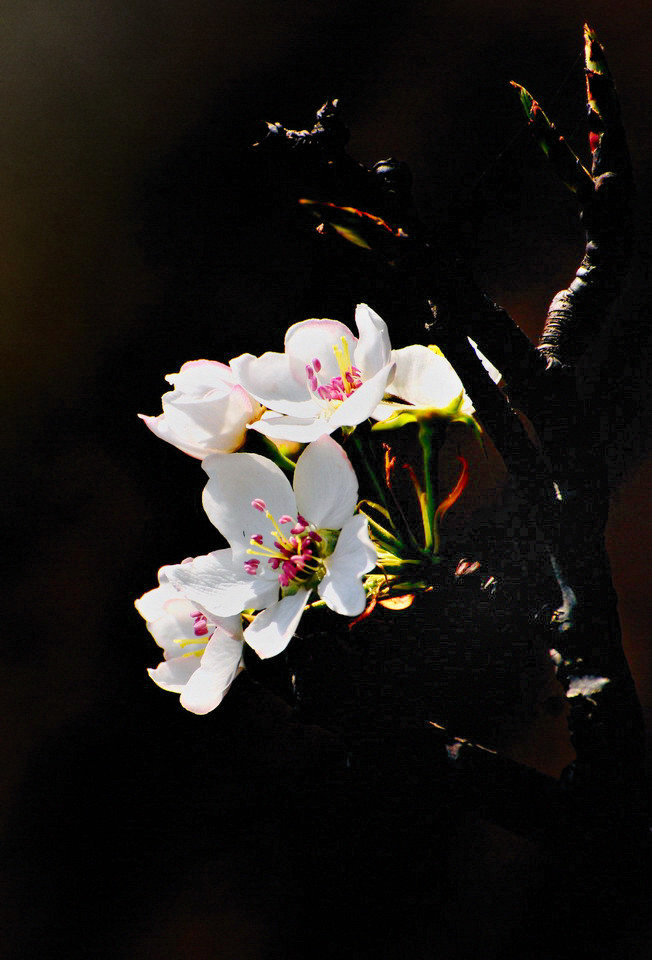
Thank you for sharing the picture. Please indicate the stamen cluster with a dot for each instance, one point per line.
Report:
(294, 556)
(340, 387)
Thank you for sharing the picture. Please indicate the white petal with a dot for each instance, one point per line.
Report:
(312, 339)
(232, 626)
(161, 427)
(373, 349)
(221, 585)
(424, 378)
(216, 420)
(363, 401)
(197, 377)
(151, 605)
(235, 480)
(271, 631)
(176, 624)
(219, 666)
(292, 429)
(206, 412)
(494, 373)
(325, 484)
(270, 379)
(354, 555)
(174, 674)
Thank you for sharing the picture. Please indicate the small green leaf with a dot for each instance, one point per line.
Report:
(362, 229)
(565, 162)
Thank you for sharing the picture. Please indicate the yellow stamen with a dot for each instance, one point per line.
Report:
(343, 358)
(262, 551)
(186, 640)
(275, 524)
(345, 354)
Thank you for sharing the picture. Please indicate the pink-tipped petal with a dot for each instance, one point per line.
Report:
(373, 350)
(316, 338)
(325, 484)
(271, 380)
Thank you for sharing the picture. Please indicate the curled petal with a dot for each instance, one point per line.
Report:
(219, 666)
(271, 631)
(312, 339)
(373, 350)
(173, 675)
(206, 412)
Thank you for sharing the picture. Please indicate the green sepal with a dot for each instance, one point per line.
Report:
(394, 422)
(405, 414)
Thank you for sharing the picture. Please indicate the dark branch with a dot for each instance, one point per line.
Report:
(576, 313)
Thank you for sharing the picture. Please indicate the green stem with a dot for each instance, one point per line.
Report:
(425, 439)
(389, 540)
(378, 487)
(407, 534)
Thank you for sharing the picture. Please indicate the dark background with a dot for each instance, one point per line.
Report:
(139, 232)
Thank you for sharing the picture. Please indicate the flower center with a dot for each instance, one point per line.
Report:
(294, 554)
(339, 388)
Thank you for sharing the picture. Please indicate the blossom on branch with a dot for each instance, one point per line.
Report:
(326, 378)
(202, 653)
(206, 412)
(284, 543)
(425, 386)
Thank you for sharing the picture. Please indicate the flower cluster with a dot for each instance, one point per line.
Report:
(297, 533)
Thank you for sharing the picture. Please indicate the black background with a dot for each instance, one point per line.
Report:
(139, 232)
